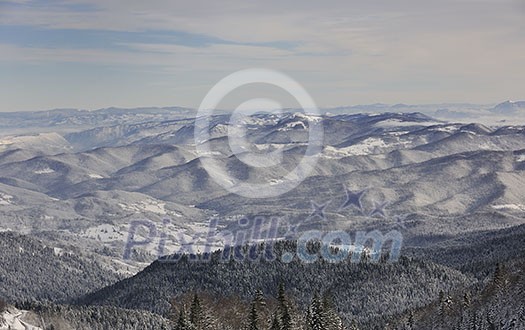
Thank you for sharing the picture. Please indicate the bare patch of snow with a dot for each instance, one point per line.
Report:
(275, 181)
(307, 117)
(293, 125)
(398, 133)
(365, 147)
(13, 319)
(516, 207)
(147, 205)
(58, 251)
(105, 233)
(400, 123)
(46, 170)
(6, 199)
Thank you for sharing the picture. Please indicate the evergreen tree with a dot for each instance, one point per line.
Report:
(316, 315)
(182, 321)
(275, 323)
(331, 318)
(254, 317)
(259, 299)
(285, 315)
(281, 296)
(200, 316)
(286, 318)
(441, 302)
(410, 322)
(466, 300)
(3, 305)
(499, 277)
(196, 313)
(473, 324)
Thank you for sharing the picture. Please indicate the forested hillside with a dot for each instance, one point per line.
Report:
(30, 270)
(360, 291)
(498, 304)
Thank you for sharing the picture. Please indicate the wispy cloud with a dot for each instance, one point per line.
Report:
(403, 51)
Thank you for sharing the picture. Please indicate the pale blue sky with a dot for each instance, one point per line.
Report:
(102, 53)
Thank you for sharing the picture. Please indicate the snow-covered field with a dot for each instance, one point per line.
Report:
(106, 233)
(13, 319)
(369, 146)
(46, 170)
(514, 207)
(6, 199)
(147, 205)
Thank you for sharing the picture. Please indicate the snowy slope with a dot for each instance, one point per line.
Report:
(14, 319)
(145, 167)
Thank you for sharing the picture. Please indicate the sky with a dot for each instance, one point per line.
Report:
(102, 53)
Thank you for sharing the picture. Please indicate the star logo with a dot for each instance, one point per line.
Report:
(353, 199)
(379, 209)
(291, 231)
(400, 220)
(318, 210)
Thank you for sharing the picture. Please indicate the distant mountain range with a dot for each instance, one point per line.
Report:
(509, 107)
(87, 185)
(65, 120)
(73, 184)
